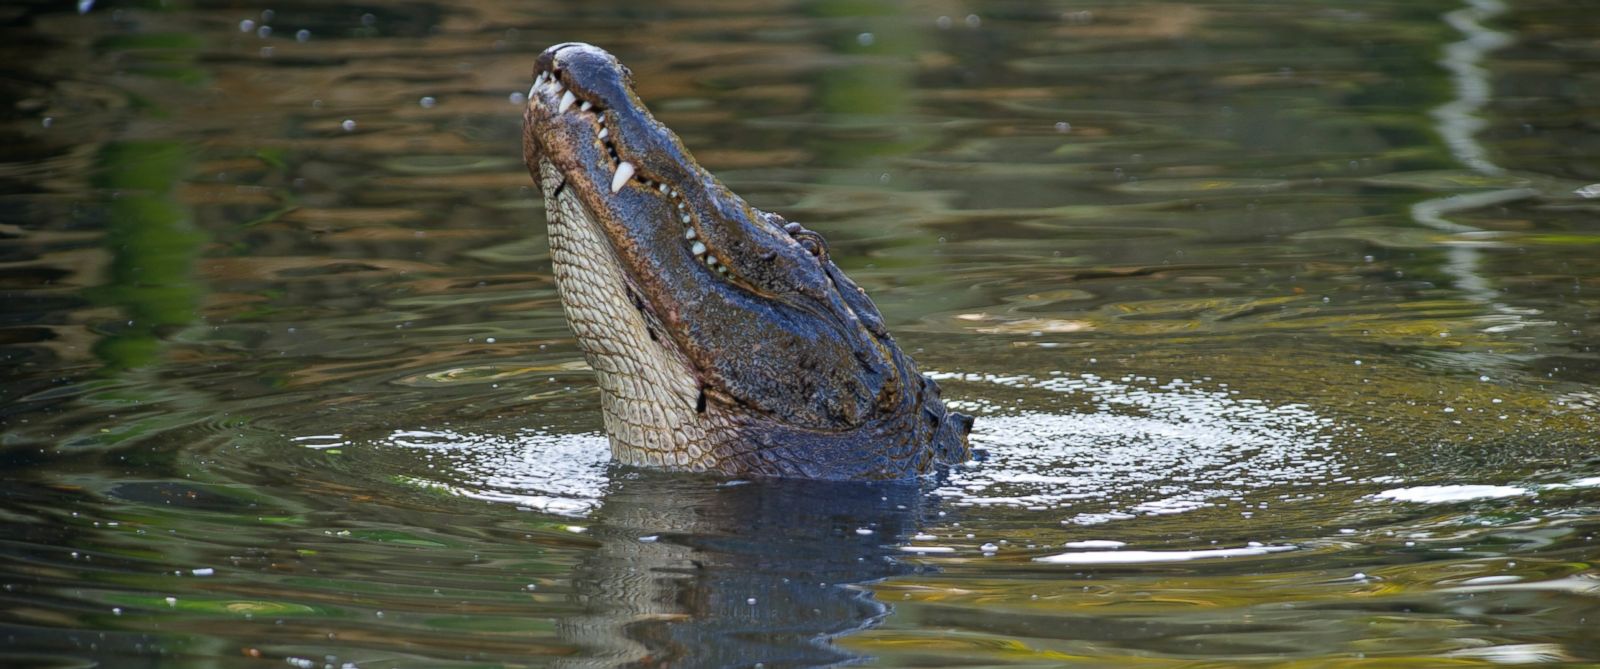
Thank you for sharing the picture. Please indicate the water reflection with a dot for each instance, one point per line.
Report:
(700, 574)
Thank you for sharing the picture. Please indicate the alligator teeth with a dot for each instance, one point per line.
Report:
(566, 102)
(585, 106)
(698, 248)
(663, 188)
(680, 207)
(620, 179)
(555, 86)
(711, 260)
(603, 133)
(689, 233)
(685, 218)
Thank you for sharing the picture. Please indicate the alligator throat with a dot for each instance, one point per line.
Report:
(723, 337)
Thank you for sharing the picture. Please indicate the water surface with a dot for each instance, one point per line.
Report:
(1279, 321)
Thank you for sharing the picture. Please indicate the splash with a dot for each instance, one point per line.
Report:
(562, 474)
(1142, 447)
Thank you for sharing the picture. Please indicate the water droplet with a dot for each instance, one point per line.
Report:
(247, 25)
(264, 32)
(866, 39)
(427, 102)
(349, 125)
(943, 22)
(973, 21)
(302, 35)
(1063, 126)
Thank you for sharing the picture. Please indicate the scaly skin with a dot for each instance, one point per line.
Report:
(723, 337)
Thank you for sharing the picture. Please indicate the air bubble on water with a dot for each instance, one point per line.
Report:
(1063, 126)
(866, 39)
(517, 98)
(302, 35)
(348, 125)
(247, 25)
(943, 22)
(427, 102)
(264, 32)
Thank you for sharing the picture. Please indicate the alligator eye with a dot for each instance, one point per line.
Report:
(812, 242)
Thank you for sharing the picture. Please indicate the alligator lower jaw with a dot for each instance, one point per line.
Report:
(652, 404)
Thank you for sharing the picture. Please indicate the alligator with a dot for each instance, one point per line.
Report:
(724, 338)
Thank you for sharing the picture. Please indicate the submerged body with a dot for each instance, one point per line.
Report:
(723, 337)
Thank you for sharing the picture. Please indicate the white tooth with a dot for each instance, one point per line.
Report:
(624, 173)
(689, 233)
(539, 80)
(698, 248)
(680, 206)
(711, 260)
(603, 133)
(673, 192)
(566, 102)
(723, 269)
(585, 106)
(685, 218)
(532, 91)
(555, 86)
(663, 188)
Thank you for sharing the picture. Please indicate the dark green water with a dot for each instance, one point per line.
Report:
(1279, 318)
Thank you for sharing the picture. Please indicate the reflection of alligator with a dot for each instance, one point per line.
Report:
(694, 574)
(724, 338)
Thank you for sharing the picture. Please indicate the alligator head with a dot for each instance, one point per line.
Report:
(723, 337)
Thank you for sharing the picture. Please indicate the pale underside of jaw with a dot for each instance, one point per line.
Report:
(624, 172)
(651, 400)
